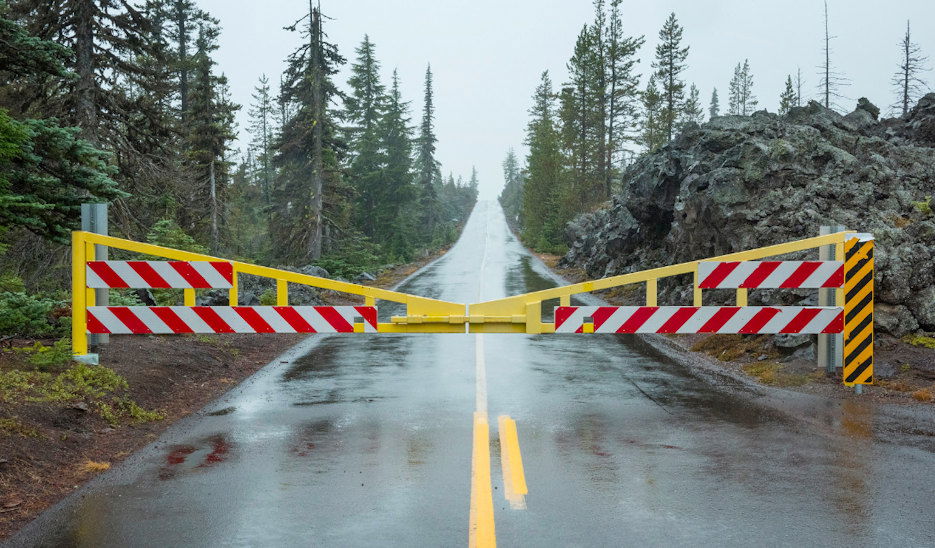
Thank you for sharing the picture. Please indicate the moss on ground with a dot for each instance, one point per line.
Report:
(728, 348)
(920, 340)
(773, 374)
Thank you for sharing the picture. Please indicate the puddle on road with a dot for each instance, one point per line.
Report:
(189, 457)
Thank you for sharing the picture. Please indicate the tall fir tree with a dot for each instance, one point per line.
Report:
(692, 111)
(787, 99)
(543, 216)
(363, 110)
(261, 128)
(396, 191)
(310, 197)
(907, 82)
(426, 166)
(669, 65)
(653, 130)
(511, 197)
(742, 101)
(714, 106)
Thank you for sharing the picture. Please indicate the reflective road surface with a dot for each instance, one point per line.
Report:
(368, 440)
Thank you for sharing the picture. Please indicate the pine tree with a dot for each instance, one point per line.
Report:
(396, 191)
(261, 130)
(582, 119)
(426, 166)
(787, 99)
(741, 100)
(310, 197)
(543, 217)
(473, 183)
(46, 171)
(653, 134)
(692, 111)
(714, 107)
(669, 65)
(906, 82)
(623, 89)
(511, 197)
(363, 110)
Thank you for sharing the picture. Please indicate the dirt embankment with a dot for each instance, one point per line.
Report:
(61, 427)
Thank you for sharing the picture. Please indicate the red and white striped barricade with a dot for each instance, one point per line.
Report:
(770, 274)
(160, 274)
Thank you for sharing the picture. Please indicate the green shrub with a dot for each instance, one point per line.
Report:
(42, 356)
(169, 234)
(11, 283)
(925, 206)
(29, 315)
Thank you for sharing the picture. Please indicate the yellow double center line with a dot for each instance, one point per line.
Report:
(482, 532)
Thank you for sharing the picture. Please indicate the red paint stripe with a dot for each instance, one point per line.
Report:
(637, 319)
(149, 274)
(760, 273)
(800, 320)
(758, 320)
(253, 318)
(721, 271)
(129, 319)
(224, 269)
(294, 319)
(211, 318)
(677, 319)
(801, 273)
(836, 279)
(717, 321)
(171, 319)
(836, 325)
(562, 313)
(191, 275)
(107, 274)
(94, 325)
(336, 320)
(369, 314)
(602, 314)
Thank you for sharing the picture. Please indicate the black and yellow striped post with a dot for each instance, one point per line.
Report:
(858, 310)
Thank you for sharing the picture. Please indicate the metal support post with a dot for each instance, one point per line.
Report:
(94, 219)
(829, 345)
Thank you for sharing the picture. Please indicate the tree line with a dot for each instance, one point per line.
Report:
(583, 133)
(123, 102)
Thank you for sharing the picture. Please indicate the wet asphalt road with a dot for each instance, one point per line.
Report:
(367, 441)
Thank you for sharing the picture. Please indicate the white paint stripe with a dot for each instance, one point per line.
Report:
(738, 276)
(93, 280)
(233, 319)
(151, 320)
(738, 320)
(781, 274)
(211, 274)
(576, 319)
(127, 274)
(821, 274)
(655, 321)
(613, 323)
(191, 319)
(107, 318)
(314, 319)
(274, 319)
(780, 320)
(169, 274)
(821, 322)
(698, 319)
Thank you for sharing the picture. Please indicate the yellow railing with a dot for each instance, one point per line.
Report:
(523, 313)
(417, 308)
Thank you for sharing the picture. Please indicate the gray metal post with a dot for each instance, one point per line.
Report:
(830, 346)
(94, 219)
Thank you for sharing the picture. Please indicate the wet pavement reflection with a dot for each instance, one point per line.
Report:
(366, 441)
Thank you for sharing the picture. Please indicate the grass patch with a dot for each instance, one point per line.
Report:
(900, 222)
(45, 357)
(728, 348)
(920, 340)
(11, 426)
(772, 373)
(924, 395)
(924, 206)
(898, 385)
(100, 387)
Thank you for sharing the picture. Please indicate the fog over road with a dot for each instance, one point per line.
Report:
(367, 440)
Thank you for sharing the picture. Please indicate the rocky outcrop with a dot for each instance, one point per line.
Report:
(253, 290)
(739, 182)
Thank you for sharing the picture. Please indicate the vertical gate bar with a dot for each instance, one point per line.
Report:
(697, 290)
(232, 292)
(282, 293)
(564, 300)
(742, 296)
(652, 291)
(188, 296)
(79, 317)
(858, 311)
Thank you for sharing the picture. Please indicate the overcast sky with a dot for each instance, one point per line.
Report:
(487, 55)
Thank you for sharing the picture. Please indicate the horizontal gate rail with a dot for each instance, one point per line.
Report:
(160, 274)
(770, 274)
(122, 320)
(699, 319)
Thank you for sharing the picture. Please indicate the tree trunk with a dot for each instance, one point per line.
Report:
(84, 65)
(180, 21)
(314, 241)
(214, 208)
